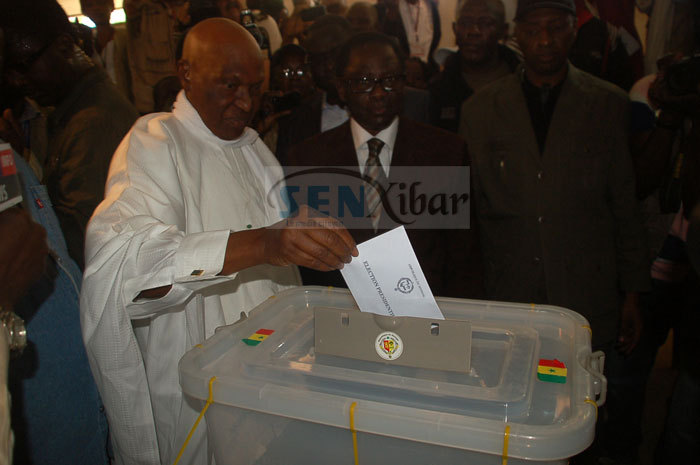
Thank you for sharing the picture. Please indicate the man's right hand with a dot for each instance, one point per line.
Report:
(309, 239)
(23, 252)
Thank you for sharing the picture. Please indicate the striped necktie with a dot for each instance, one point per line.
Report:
(377, 181)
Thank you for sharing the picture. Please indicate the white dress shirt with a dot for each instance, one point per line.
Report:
(174, 193)
(387, 135)
(418, 23)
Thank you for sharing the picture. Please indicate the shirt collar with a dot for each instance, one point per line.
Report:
(387, 135)
(188, 116)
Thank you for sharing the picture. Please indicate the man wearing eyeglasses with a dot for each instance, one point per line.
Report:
(378, 145)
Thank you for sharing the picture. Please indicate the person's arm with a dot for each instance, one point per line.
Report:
(630, 241)
(308, 239)
(23, 254)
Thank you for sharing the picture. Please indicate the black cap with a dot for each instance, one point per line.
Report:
(526, 6)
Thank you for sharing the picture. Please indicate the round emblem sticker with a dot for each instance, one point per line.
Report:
(389, 345)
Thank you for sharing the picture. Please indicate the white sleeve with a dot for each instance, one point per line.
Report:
(135, 240)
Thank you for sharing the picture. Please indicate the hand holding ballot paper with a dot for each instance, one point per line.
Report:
(387, 279)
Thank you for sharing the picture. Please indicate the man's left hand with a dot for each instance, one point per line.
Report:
(630, 324)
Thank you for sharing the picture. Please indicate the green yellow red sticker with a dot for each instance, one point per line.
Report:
(551, 371)
(258, 336)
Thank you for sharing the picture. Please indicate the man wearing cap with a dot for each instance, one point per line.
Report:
(554, 192)
(188, 237)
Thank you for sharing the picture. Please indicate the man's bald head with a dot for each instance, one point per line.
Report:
(207, 39)
(222, 72)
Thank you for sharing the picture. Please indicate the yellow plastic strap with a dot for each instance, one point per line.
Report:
(592, 402)
(199, 418)
(532, 307)
(506, 438)
(354, 433)
(199, 346)
(588, 328)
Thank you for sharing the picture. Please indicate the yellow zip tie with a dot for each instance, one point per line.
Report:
(506, 438)
(532, 307)
(199, 346)
(588, 328)
(592, 402)
(354, 433)
(199, 418)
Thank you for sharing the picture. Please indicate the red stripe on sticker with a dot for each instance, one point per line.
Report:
(266, 332)
(551, 363)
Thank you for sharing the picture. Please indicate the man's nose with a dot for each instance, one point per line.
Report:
(378, 90)
(544, 36)
(244, 100)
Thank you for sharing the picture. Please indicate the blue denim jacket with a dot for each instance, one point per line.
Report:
(57, 415)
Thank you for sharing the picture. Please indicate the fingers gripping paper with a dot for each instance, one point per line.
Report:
(387, 279)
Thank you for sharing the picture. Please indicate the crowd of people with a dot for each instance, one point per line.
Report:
(151, 153)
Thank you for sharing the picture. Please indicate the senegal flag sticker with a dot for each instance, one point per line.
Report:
(257, 337)
(551, 371)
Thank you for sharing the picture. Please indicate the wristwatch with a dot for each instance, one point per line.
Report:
(16, 331)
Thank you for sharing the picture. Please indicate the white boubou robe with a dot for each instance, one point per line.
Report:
(174, 192)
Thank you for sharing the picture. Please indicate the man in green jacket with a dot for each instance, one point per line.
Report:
(554, 192)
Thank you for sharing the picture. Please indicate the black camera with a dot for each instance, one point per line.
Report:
(683, 77)
(259, 33)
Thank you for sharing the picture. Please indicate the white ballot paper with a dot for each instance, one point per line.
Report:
(386, 278)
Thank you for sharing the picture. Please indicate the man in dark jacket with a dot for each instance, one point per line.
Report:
(90, 116)
(480, 60)
(371, 82)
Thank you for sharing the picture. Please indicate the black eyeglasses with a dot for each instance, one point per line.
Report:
(367, 84)
(289, 73)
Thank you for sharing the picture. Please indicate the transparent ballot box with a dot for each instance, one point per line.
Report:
(526, 394)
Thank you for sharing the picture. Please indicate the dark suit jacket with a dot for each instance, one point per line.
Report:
(450, 258)
(561, 227)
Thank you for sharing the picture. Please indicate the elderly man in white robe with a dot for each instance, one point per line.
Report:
(187, 237)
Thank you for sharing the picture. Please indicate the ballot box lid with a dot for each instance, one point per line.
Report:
(530, 379)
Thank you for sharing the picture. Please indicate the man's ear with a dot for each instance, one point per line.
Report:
(183, 74)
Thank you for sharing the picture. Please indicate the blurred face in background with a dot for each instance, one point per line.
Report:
(478, 29)
(40, 70)
(294, 75)
(99, 11)
(231, 9)
(362, 17)
(179, 11)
